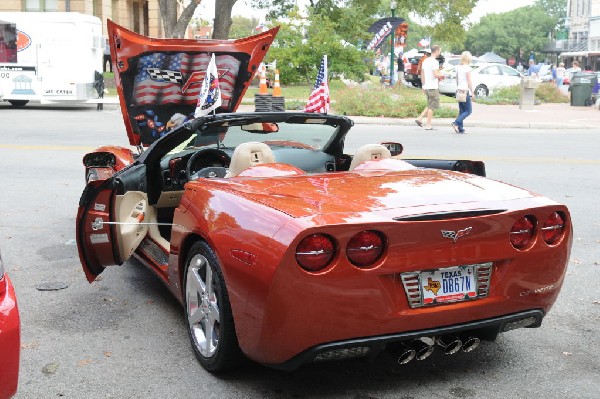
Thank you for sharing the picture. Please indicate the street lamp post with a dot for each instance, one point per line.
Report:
(393, 5)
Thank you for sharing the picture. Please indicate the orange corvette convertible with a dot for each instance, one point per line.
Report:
(286, 250)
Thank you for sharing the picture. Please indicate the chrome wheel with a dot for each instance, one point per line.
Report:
(207, 309)
(481, 91)
(202, 306)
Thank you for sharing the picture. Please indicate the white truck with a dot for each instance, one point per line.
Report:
(50, 57)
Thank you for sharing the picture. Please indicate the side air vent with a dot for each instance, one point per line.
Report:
(448, 215)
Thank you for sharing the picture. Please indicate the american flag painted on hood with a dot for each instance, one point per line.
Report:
(177, 78)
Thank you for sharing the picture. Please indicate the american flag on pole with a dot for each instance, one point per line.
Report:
(319, 98)
(209, 98)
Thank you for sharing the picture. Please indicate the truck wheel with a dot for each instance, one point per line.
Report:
(18, 103)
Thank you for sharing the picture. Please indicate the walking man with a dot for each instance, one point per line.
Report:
(430, 75)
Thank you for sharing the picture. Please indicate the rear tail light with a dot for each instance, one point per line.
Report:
(315, 252)
(365, 248)
(553, 228)
(522, 232)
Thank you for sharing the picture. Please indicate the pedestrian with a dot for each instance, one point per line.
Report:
(534, 70)
(560, 74)
(401, 69)
(430, 76)
(106, 57)
(464, 83)
(576, 68)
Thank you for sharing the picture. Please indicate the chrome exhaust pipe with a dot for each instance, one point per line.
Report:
(470, 343)
(423, 347)
(450, 343)
(403, 353)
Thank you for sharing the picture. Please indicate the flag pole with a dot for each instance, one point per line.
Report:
(326, 78)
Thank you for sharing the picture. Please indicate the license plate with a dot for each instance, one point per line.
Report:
(452, 284)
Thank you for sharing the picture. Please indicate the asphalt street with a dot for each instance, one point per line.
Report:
(124, 336)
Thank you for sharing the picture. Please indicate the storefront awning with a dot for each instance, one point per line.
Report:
(579, 53)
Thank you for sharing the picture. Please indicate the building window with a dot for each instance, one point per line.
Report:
(41, 5)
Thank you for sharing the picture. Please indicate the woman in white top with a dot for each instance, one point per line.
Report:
(464, 82)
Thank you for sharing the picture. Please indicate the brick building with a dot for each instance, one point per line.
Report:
(141, 16)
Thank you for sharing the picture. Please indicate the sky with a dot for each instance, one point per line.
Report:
(242, 7)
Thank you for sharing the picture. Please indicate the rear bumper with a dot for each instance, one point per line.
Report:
(10, 340)
(485, 329)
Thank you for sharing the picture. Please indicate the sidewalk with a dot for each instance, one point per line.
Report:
(545, 116)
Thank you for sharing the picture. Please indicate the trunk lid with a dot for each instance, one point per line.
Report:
(417, 191)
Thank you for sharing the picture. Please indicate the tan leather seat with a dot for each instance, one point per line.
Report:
(369, 152)
(249, 154)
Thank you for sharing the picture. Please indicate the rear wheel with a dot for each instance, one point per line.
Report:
(18, 103)
(481, 91)
(208, 311)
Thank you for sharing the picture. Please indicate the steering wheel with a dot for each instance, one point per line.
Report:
(212, 159)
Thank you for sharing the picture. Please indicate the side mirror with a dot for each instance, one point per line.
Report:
(394, 148)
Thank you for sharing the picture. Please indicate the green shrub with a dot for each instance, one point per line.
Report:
(398, 102)
(547, 92)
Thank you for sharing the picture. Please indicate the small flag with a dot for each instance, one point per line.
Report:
(319, 98)
(423, 42)
(209, 98)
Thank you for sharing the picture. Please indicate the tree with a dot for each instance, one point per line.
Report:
(446, 16)
(174, 27)
(511, 34)
(556, 9)
(299, 47)
(242, 27)
(222, 21)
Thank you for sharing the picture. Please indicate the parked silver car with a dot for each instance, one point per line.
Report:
(486, 77)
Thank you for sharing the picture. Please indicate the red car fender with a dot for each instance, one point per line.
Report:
(240, 232)
(10, 339)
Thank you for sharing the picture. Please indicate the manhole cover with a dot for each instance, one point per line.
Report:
(51, 286)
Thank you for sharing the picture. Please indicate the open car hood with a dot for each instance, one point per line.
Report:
(159, 78)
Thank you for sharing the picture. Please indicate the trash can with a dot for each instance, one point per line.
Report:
(582, 85)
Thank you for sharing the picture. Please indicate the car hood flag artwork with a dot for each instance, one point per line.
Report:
(209, 98)
(319, 98)
(382, 29)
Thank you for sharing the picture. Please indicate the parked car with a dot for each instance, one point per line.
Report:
(285, 249)
(10, 336)
(486, 77)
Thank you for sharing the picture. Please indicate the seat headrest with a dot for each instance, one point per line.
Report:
(249, 154)
(369, 152)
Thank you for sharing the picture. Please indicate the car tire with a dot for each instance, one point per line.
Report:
(208, 312)
(18, 103)
(481, 91)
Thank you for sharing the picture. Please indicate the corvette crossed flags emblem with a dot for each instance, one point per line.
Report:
(177, 77)
(455, 235)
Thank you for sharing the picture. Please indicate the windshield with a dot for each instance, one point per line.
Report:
(296, 135)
